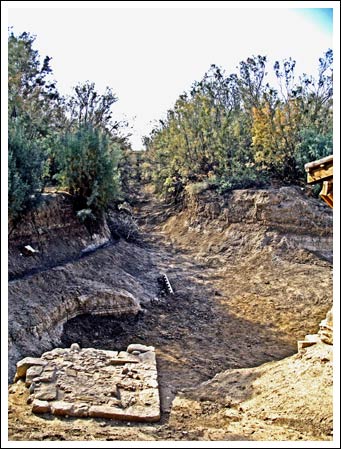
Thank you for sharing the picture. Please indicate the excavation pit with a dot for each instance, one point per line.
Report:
(94, 383)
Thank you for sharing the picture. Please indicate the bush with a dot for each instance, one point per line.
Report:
(239, 177)
(88, 168)
(25, 168)
(197, 188)
(313, 146)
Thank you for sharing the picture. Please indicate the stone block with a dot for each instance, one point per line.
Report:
(135, 413)
(148, 358)
(80, 410)
(97, 383)
(112, 353)
(46, 392)
(313, 338)
(152, 383)
(105, 411)
(48, 374)
(62, 408)
(24, 364)
(301, 344)
(40, 406)
(32, 372)
(124, 357)
(75, 347)
(140, 348)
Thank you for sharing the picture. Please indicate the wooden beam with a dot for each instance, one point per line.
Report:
(327, 193)
(320, 173)
(325, 161)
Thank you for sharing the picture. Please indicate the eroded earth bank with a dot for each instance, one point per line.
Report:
(251, 274)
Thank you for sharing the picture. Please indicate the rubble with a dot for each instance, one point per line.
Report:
(326, 328)
(324, 335)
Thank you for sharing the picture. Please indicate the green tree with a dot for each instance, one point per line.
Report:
(93, 152)
(33, 107)
(32, 95)
(72, 141)
(294, 124)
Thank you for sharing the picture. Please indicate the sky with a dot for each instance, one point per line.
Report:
(150, 55)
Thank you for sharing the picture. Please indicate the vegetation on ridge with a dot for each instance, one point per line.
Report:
(236, 130)
(228, 131)
(70, 142)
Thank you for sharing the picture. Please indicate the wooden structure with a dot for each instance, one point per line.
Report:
(321, 171)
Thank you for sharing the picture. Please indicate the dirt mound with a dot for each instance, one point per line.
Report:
(275, 401)
(251, 276)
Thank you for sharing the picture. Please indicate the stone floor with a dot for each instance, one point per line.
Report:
(91, 382)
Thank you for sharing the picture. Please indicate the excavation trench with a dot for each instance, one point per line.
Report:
(243, 296)
(223, 315)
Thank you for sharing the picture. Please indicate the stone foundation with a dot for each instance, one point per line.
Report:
(91, 382)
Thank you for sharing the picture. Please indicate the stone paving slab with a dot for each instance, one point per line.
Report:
(92, 382)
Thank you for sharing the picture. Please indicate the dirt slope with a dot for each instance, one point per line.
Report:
(276, 401)
(249, 282)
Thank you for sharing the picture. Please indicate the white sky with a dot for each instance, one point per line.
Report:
(150, 56)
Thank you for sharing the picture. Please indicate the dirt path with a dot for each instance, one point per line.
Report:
(212, 323)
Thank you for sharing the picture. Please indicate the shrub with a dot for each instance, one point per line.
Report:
(197, 188)
(313, 146)
(88, 168)
(25, 167)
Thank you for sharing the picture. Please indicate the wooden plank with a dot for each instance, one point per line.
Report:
(328, 199)
(320, 174)
(327, 193)
(324, 161)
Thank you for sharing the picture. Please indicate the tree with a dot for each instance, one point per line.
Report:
(32, 108)
(88, 107)
(75, 142)
(32, 96)
(252, 74)
(92, 152)
(295, 124)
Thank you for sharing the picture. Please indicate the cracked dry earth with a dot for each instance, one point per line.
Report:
(225, 342)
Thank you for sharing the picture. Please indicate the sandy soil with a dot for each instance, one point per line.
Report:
(238, 314)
